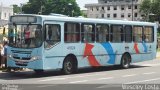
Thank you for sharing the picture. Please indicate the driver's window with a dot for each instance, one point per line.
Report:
(53, 34)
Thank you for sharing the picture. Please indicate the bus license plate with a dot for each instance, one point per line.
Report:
(22, 63)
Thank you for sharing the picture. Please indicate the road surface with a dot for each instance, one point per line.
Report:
(143, 73)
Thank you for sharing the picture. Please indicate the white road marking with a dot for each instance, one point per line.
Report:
(149, 73)
(109, 85)
(86, 75)
(102, 86)
(78, 81)
(46, 86)
(105, 78)
(52, 79)
(155, 79)
(92, 80)
(71, 77)
(150, 65)
(129, 75)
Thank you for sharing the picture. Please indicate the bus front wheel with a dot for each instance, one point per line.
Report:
(69, 65)
(125, 61)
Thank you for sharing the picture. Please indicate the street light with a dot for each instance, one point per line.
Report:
(21, 5)
(41, 9)
(70, 4)
(152, 17)
(72, 11)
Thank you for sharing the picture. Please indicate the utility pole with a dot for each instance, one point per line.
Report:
(132, 10)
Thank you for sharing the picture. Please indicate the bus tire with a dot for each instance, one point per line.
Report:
(125, 61)
(69, 65)
(38, 71)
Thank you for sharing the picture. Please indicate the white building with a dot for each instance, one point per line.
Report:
(115, 9)
(5, 12)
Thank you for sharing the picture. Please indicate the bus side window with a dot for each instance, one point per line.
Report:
(52, 34)
(71, 32)
(116, 33)
(88, 33)
(148, 34)
(137, 33)
(128, 33)
(102, 33)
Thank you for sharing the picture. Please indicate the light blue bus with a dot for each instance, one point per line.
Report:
(44, 42)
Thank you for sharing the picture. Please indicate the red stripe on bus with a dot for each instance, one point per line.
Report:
(136, 48)
(91, 58)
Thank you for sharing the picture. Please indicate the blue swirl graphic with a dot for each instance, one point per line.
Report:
(145, 46)
(110, 52)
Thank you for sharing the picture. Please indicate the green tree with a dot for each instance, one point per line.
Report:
(66, 7)
(156, 7)
(33, 6)
(145, 8)
(16, 9)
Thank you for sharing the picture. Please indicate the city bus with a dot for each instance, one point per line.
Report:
(48, 42)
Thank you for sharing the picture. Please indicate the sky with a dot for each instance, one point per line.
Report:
(81, 3)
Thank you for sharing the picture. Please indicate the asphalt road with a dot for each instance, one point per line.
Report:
(112, 78)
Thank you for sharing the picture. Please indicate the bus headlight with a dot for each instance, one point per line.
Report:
(35, 58)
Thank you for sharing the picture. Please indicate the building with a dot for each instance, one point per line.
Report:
(115, 9)
(5, 13)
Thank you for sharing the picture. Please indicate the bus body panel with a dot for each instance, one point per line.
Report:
(53, 61)
(87, 54)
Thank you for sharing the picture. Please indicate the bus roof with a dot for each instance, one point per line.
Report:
(88, 20)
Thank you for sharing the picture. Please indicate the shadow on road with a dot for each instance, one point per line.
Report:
(32, 74)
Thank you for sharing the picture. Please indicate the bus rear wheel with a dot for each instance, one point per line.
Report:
(69, 66)
(125, 61)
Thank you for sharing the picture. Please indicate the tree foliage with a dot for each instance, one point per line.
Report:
(156, 7)
(66, 7)
(148, 7)
(16, 9)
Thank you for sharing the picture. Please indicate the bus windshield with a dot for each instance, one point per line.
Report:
(25, 36)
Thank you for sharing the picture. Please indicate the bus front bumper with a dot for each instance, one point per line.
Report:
(36, 64)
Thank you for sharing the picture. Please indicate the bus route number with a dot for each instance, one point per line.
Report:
(71, 47)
